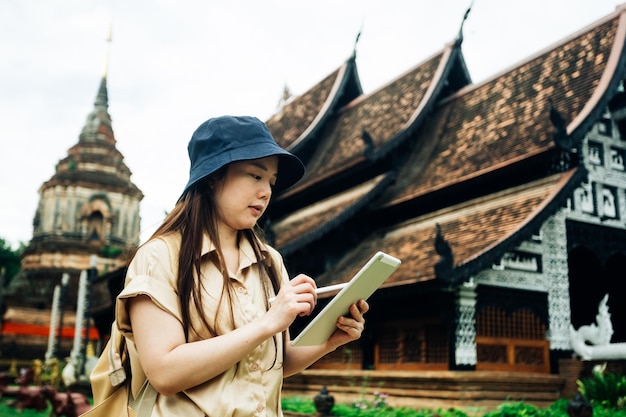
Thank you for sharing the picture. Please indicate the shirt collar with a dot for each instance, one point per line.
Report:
(245, 249)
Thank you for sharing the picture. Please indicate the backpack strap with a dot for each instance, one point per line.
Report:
(119, 360)
(143, 403)
(117, 348)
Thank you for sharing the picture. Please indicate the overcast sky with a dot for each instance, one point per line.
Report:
(174, 63)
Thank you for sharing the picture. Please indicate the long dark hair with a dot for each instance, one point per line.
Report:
(195, 215)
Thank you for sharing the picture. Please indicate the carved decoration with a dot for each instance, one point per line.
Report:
(593, 341)
(556, 280)
(445, 266)
(465, 344)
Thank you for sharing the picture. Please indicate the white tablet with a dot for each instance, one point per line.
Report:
(360, 287)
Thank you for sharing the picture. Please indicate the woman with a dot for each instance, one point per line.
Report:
(195, 306)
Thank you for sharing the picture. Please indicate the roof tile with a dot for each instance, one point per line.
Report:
(288, 124)
(382, 114)
(470, 228)
(507, 118)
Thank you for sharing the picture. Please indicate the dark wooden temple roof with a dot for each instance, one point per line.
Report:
(484, 164)
(300, 119)
(482, 128)
(308, 224)
(369, 127)
(478, 232)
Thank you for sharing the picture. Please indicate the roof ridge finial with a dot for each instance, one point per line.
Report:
(459, 39)
(356, 41)
(108, 40)
(285, 98)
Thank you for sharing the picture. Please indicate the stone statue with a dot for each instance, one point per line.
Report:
(593, 341)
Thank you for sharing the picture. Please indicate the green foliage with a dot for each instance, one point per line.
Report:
(378, 407)
(375, 407)
(298, 405)
(517, 409)
(558, 408)
(604, 388)
(607, 412)
(303, 405)
(10, 259)
(111, 251)
(349, 410)
(378, 403)
(6, 410)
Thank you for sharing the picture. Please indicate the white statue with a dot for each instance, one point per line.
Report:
(601, 333)
(593, 342)
(68, 375)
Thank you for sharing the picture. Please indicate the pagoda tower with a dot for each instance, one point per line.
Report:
(88, 210)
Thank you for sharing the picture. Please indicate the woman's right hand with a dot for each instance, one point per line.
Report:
(296, 298)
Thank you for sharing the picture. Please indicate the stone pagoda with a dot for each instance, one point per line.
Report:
(88, 216)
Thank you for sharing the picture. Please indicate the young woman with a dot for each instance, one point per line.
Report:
(195, 307)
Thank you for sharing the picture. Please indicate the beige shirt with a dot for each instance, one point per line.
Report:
(250, 389)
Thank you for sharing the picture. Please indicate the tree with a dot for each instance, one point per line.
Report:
(10, 260)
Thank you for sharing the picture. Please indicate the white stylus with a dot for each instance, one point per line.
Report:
(322, 290)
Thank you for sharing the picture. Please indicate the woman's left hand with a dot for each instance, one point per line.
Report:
(350, 328)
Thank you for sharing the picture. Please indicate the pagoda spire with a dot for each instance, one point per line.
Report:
(107, 56)
(102, 98)
(98, 124)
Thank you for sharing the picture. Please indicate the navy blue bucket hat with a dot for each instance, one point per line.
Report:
(222, 140)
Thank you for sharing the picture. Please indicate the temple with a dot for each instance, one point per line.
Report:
(505, 201)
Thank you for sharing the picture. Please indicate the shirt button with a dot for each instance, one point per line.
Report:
(254, 367)
(259, 408)
(241, 289)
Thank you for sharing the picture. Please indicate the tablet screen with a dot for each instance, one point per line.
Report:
(361, 286)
